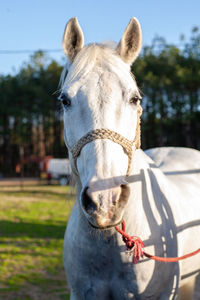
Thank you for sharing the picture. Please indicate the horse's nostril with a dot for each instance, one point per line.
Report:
(87, 202)
(125, 192)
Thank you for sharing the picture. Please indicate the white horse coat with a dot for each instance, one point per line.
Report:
(160, 203)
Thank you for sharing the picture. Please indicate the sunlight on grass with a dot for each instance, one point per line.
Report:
(32, 226)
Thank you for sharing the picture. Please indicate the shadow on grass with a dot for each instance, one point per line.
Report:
(32, 230)
(35, 286)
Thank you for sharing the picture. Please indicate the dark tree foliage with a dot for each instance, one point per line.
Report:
(31, 119)
(30, 115)
(169, 78)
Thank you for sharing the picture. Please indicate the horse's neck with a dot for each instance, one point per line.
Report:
(148, 185)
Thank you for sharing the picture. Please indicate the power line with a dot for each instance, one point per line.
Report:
(29, 51)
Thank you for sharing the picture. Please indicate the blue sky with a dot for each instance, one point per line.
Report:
(39, 24)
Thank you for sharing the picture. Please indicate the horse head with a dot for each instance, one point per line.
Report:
(101, 100)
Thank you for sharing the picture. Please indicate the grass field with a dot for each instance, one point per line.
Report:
(32, 226)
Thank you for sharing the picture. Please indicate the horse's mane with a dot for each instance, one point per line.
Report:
(92, 55)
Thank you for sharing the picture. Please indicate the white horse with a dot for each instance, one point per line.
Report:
(159, 200)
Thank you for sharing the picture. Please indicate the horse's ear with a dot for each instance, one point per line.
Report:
(73, 39)
(130, 45)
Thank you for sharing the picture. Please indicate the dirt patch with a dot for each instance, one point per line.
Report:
(21, 182)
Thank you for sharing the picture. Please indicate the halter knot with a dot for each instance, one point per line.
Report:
(133, 243)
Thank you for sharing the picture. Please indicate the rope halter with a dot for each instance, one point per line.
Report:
(104, 133)
(128, 146)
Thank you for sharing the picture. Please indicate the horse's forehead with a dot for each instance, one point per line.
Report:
(105, 81)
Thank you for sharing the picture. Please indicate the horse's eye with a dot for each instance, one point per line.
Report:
(65, 100)
(134, 99)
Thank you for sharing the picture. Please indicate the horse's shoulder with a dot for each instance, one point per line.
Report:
(175, 158)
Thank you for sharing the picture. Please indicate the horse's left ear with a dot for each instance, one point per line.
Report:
(73, 39)
(131, 43)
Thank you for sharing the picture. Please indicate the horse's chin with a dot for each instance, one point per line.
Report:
(104, 227)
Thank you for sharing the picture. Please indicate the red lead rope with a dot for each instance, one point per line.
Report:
(135, 244)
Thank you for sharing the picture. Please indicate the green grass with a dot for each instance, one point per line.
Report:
(32, 226)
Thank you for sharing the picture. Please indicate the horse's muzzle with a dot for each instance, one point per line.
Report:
(104, 208)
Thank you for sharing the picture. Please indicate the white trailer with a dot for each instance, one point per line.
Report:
(60, 169)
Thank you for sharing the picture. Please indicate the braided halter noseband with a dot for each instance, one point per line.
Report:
(104, 133)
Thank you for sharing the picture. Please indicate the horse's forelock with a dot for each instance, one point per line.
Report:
(90, 56)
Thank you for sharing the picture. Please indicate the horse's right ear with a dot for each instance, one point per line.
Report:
(73, 39)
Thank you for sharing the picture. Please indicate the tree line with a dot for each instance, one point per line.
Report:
(169, 78)
(31, 125)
